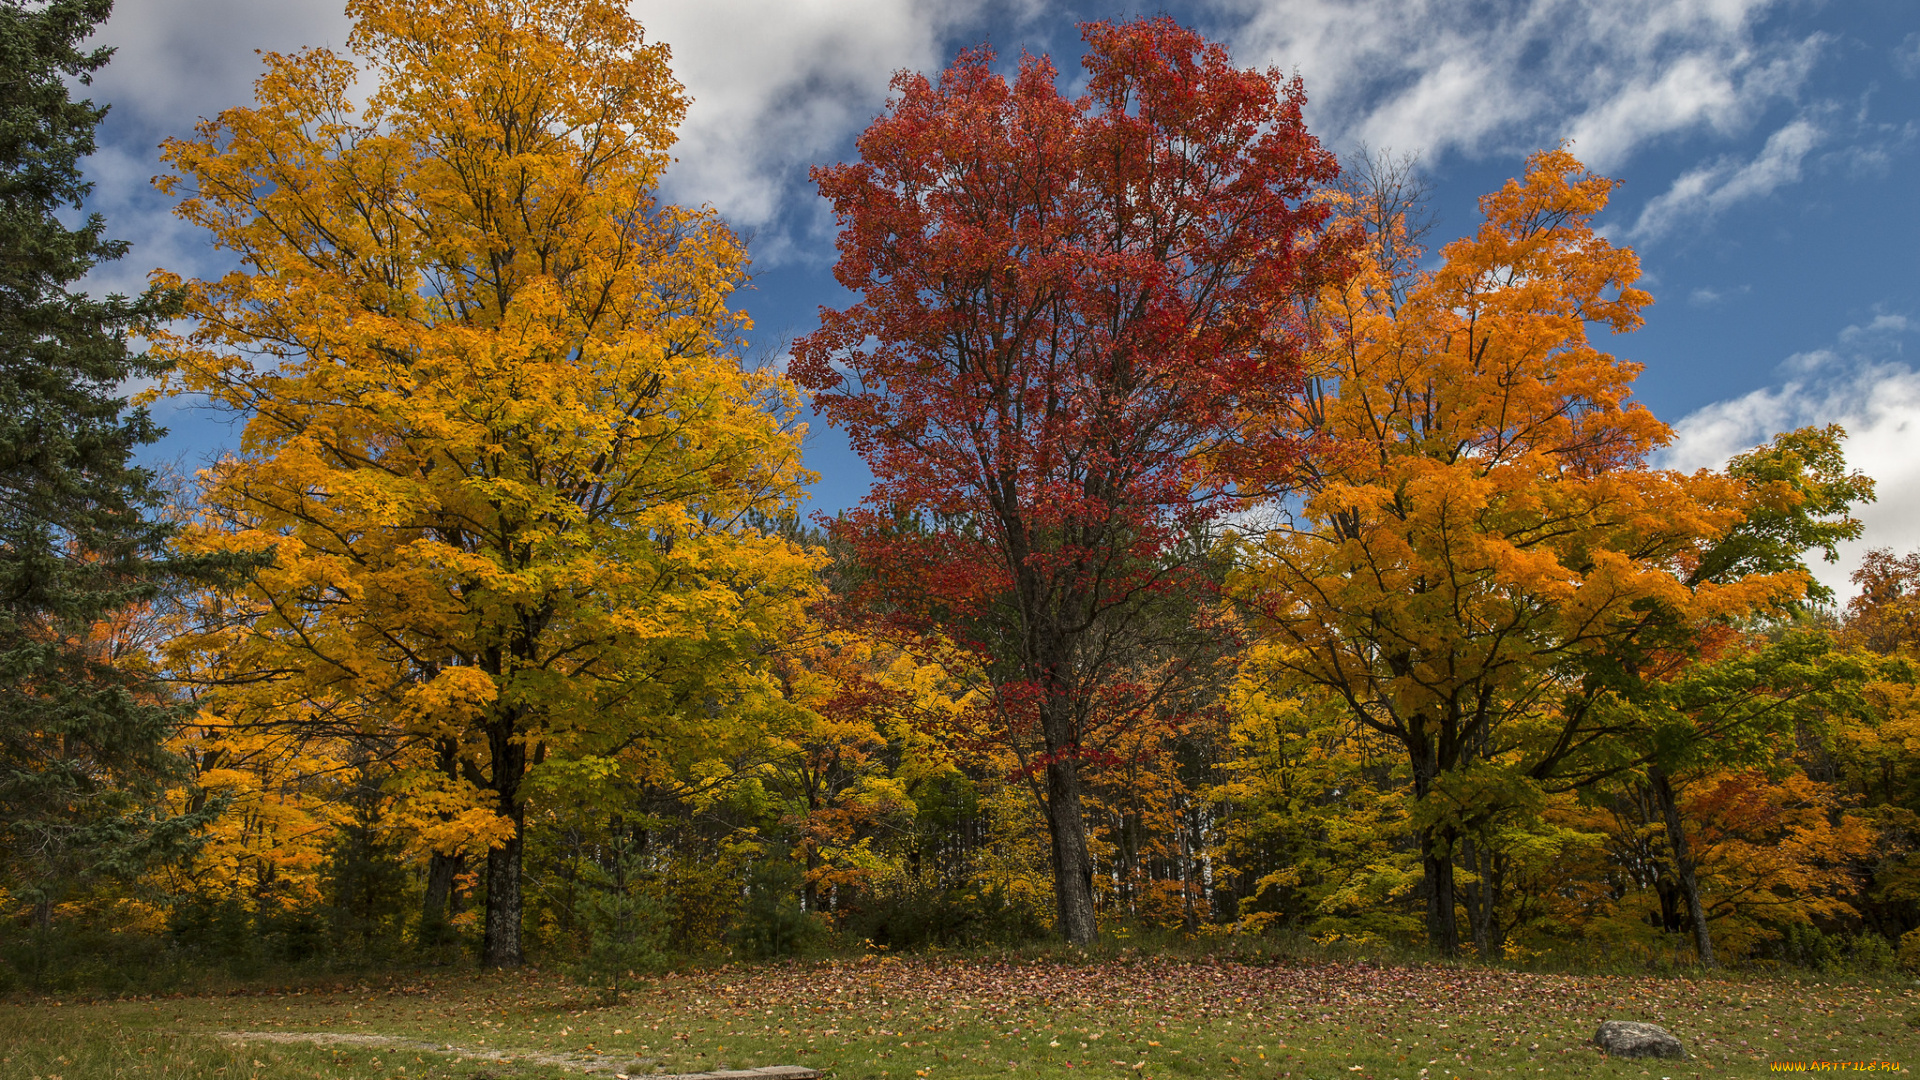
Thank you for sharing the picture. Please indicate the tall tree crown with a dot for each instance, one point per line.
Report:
(498, 441)
(1067, 308)
(1065, 304)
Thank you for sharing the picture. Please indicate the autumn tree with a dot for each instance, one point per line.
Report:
(1884, 616)
(1879, 754)
(1315, 819)
(1477, 552)
(1725, 697)
(1731, 716)
(498, 444)
(1799, 499)
(1064, 306)
(847, 762)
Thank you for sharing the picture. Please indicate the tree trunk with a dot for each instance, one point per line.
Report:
(810, 878)
(443, 870)
(1437, 847)
(1493, 874)
(1072, 862)
(1683, 862)
(1669, 917)
(1443, 927)
(502, 941)
(1426, 740)
(1472, 895)
(1483, 900)
(502, 946)
(436, 911)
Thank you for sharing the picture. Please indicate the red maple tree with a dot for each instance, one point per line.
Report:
(1067, 310)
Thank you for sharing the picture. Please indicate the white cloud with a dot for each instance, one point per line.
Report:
(1906, 55)
(1863, 385)
(779, 83)
(1439, 75)
(178, 60)
(1721, 85)
(1702, 193)
(1881, 326)
(1802, 363)
(175, 62)
(1706, 296)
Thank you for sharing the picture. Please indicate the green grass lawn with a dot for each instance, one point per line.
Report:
(957, 1018)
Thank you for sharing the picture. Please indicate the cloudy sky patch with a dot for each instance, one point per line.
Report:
(1862, 381)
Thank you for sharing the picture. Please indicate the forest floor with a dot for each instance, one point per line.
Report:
(892, 1018)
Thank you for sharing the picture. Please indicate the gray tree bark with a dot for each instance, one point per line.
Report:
(1443, 925)
(502, 948)
(437, 909)
(1683, 863)
(502, 940)
(1072, 861)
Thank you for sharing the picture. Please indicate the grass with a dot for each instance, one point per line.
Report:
(886, 1018)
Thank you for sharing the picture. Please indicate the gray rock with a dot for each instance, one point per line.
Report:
(1630, 1039)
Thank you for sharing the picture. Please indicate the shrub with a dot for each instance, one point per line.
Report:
(773, 923)
(1871, 952)
(627, 922)
(1909, 955)
(965, 918)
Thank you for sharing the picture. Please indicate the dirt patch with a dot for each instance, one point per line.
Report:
(584, 1062)
(619, 1066)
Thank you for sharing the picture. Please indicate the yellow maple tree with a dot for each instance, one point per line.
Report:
(500, 453)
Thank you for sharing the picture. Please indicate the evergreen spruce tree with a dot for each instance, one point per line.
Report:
(627, 922)
(82, 743)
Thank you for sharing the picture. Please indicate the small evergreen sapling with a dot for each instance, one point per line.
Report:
(626, 918)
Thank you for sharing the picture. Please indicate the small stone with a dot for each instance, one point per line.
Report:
(1631, 1039)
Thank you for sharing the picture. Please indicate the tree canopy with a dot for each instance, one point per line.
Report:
(1480, 552)
(1066, 307)
(499, 445)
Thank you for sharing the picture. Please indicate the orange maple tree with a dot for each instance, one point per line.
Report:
(1478, 550)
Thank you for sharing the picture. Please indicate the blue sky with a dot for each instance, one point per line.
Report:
(1769, 151)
